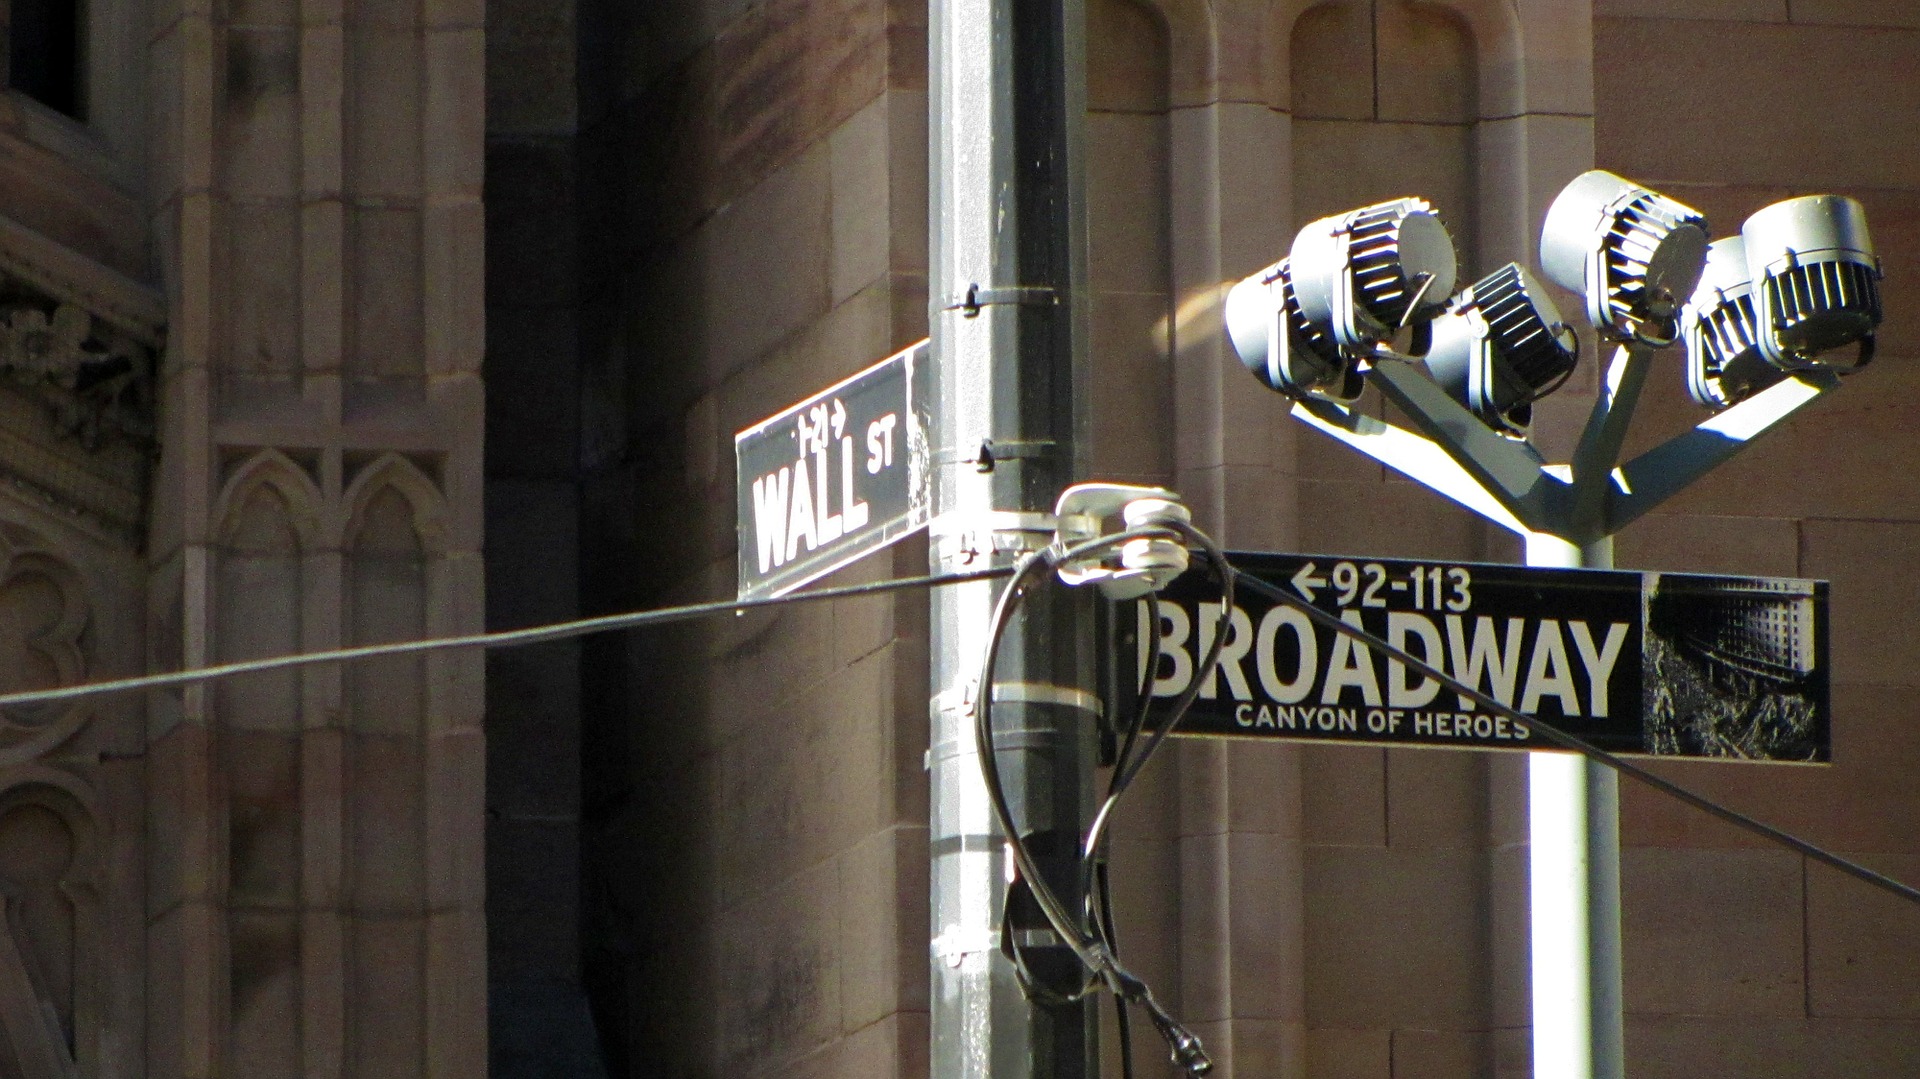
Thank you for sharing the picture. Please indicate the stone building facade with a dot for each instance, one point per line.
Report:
(753, 179)
(244, 309)
(250, 293)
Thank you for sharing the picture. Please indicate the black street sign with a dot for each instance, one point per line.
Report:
(840, 474)
(1663, 664)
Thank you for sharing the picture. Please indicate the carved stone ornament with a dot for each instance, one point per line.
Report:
(95, 381)
(43, 643)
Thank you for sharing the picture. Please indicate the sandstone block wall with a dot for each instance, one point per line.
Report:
(1730, 107)
(757, 231)
(754, 198)
(314, 890)
(712, 840)
(242, 418)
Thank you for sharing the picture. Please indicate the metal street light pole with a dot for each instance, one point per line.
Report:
(1573, 825)
(1766, 317)
(1567, 516)
(1007, 103)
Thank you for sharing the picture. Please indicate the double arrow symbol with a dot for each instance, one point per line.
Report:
(814, 433)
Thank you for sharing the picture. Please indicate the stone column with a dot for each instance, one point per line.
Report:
(1242, 981)
(316, 873)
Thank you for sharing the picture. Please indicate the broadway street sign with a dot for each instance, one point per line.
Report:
(1664, 664)
(841, 473)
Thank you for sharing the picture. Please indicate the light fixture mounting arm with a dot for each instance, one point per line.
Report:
(1507, 482)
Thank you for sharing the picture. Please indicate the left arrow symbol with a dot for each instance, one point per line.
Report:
(1305, 582)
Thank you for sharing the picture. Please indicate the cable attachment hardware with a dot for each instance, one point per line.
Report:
(1183, 1045)
(1188, 1054)
(1143, 564)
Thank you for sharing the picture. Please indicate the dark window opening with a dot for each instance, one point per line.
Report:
(44, 42)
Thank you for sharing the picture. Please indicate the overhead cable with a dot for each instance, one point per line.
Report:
(512, 638)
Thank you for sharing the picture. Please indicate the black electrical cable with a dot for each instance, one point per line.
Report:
(1109, 935)
(1187, 1051)
(1123, 778)
(1186, 1048)
(1102, 963)
(1030, 567)
(1101, 902)
(1028, 874)
(1099, 898)
(1593, 753)
(1049, 559)
(512, 638)
(1136, 723)
(1144, 699)
(1127, 769)
(1102, 968)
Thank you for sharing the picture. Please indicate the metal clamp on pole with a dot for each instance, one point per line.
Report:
(977, 538)
(977, 298)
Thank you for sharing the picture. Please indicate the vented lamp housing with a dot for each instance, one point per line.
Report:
(1633, 253)
(1720, 329)
(1501, 347)
(1816, 282)
(1308, 325)
(1284, 351)
(1361, 276)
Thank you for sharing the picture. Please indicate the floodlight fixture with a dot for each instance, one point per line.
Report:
(1633, 253)
(1502, 346)
(1310, 325)
(1720, 331)
(1363, 275)
(1282, 349)
(1816, 282)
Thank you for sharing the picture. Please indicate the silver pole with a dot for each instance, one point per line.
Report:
(1573, 805)
(1573, 819)
(1006, 107)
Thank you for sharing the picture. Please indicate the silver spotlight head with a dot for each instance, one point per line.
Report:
(1284, 351)
(1362, 275)
(1635, 255)
(1502, 346)
(1816, 281)
(1720, 328)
